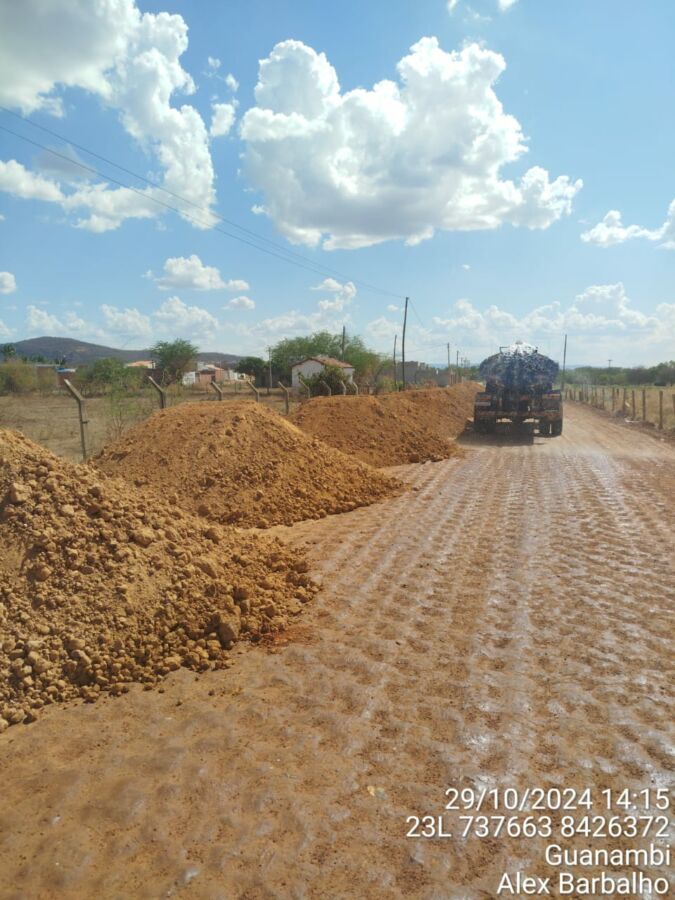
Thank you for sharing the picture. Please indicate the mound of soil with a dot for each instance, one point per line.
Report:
(391, 429)
(242, 463)
(99, 588)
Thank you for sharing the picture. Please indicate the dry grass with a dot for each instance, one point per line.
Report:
(651, 410)
(51, 419)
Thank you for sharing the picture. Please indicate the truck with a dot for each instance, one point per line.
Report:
(518, 389)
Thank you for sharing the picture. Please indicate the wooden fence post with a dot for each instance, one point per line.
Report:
(661, 409)
(613, 398)
(160, 390)
(254, 389)
(217, 388)
(82, 414)
(624, 401)
(632, 403)
(644, 405)
(327, 386)
(603, 396)
(286, 396)
(306, 386)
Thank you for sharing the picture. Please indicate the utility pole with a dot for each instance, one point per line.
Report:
(269, 380)
(562, 386)
(609, 363)
(342, 354)
(405, 321)
(448, 362)
(395, 339)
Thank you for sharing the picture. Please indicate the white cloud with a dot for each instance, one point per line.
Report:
(237, 284)
(452, 5)
(398, 161)
(601, 322)
(17, 180)
(180, 319)
(131, 62)
(223, 119)
(7, 283)
(612, 231)
(506, 4)
(214, 63)
(40, 322)
(129, 323)
(393, 308)
(5, 331)
(189, 273)
(342, 294)
(241, 303)
(232, 82)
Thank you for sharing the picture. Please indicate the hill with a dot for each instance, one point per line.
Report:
(79, 353)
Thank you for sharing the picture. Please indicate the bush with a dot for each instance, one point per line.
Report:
(331, 376)
(18, 377)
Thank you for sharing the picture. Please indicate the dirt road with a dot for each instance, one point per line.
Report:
(508, 623)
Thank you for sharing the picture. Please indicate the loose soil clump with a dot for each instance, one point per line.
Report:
(242, 464)
(100, 588)
(391, 429)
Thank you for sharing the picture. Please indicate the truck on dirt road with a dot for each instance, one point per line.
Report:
(518, 389)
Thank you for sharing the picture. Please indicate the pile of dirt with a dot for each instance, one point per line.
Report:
(99, 588)
(391, 429)
(242, 463)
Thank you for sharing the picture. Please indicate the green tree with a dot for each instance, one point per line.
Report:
(286, 353)
(251, 365)
(109, 374)
(8, 351)
(173, 358)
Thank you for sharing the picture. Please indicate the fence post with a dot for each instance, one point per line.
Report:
(624, 401)
(632, 403)
(306, 386)
(286, 396)
(644, 405)
(160, 390)
(217, 388)
(327, 386)
(661, 409)
(82, 414)
(254, 389)
(613, 398)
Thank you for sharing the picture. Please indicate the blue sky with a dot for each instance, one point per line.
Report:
(508, 165)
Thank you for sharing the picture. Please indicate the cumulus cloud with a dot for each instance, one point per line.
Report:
(188, 273)
(17, 180)
(397, 161)
(179, 318)
(5, 330)
(131, 62)
(601, 321)
(241, 303)
(128, 322)
(341, 294)
(232, 82)
(506, 4)
(612, 231)
(7, 283)
(237, 284)
(222, 119)
(40, 322)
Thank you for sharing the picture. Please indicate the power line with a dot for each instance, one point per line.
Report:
(290, 256)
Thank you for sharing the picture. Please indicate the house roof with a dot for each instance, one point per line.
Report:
(325, 361)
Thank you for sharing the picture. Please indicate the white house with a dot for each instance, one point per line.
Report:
(314, 365)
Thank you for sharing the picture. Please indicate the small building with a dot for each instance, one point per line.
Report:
(314, 365)
(205, 374)
(141, 364)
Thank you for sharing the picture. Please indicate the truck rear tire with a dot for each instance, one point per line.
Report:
(544, 428)
(557, 428)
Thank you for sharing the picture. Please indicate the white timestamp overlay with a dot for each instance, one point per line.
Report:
(621, 838)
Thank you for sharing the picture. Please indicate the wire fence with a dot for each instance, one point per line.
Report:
(652, 406)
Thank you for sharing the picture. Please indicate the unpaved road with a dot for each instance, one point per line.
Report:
(509, 623)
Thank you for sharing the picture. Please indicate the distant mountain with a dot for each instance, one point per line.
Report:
(79, 353)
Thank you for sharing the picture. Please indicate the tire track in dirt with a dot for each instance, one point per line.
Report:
(505, 623)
